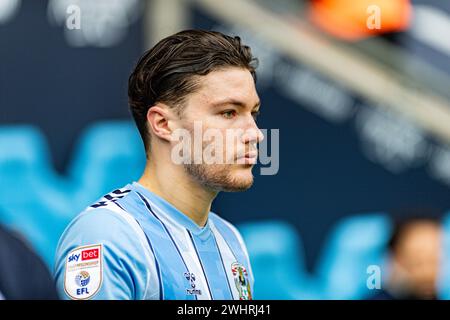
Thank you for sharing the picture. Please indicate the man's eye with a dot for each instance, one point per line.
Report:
(229, 114)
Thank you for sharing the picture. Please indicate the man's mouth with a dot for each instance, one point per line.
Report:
(250, 157)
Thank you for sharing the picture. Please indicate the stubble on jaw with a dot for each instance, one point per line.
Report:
(217, 177)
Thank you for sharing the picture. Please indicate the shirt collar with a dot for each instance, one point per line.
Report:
(168, 209)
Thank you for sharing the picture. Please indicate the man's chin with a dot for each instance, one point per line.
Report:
(235, 187)
(238, 181)
(223, 178)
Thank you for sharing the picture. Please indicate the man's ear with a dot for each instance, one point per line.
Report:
(159, 119)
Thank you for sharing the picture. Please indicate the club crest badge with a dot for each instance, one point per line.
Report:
(83, 272)
(241, 281)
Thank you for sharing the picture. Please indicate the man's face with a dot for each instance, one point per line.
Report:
(225, 106)
(419, 254)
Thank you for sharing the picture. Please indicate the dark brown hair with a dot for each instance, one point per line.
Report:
(169, 71)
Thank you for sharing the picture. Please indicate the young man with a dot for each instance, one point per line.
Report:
(157, 238)
(414, 252)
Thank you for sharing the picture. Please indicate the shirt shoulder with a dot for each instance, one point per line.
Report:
(124, 271)
(103, 221)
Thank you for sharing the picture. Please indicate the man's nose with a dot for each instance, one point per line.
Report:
(252, 134)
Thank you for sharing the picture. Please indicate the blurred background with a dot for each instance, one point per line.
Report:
(358, 89)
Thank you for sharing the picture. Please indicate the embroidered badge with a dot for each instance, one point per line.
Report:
(241, 281)
(83, 272)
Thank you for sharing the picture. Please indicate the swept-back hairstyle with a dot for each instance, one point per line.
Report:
(170, 70)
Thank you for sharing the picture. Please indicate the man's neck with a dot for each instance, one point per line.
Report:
(174, 185)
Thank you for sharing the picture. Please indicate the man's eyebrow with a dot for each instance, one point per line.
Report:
(235, 102)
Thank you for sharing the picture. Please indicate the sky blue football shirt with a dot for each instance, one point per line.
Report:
(133, 244)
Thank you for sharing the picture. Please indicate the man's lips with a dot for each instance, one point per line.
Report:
(249, 158)
(251, 154)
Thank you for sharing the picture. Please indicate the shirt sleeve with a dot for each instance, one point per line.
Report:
(100, 256)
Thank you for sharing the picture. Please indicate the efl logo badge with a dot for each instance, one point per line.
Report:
(241, 281)
(83, 272)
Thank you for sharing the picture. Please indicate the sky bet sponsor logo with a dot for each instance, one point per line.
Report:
(85, 255)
